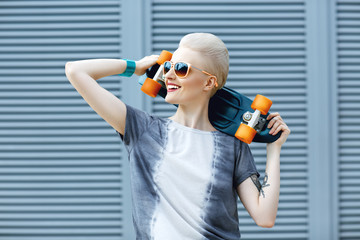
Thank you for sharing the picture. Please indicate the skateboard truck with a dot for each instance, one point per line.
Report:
(247, 116)
(154, 81)
(253, 122)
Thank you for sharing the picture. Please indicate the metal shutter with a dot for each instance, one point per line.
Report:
(60, 166)
(266, 41)
(348, 45)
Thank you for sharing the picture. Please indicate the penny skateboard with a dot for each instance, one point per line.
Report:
(229, 111)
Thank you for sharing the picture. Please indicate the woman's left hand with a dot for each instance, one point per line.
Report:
(144, 64)
(277, 124)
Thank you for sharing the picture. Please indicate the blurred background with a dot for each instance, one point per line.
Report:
(63, 169)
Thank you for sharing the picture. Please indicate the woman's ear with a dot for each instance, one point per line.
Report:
(211, 83)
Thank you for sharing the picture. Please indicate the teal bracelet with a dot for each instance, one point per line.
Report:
(130, 68)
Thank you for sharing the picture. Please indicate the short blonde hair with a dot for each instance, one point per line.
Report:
(212, 48)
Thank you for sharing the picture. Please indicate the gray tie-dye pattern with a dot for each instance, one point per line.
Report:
(145, 139)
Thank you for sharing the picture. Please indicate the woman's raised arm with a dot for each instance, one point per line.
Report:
(261, 200)
(83, 74)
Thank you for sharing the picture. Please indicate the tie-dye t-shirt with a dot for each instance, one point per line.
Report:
(183, 180)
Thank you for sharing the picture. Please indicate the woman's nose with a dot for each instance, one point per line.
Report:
(170, 74)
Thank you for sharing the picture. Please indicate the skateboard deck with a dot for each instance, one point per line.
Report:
(227, 110)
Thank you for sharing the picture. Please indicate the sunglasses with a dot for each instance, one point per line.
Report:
(182, 69)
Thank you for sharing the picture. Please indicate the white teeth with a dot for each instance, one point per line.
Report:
(173, 87)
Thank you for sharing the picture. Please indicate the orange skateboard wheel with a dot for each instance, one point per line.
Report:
(151, 87)
(245, 133)
(262, 104)
(164, 56)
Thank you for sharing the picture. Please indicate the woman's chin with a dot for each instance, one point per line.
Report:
(170, 100)
(183, 100)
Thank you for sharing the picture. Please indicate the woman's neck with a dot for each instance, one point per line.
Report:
(193, 116)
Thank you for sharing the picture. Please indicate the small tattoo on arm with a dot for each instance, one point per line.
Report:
(256, 181)
(265, 184)
(259, 186)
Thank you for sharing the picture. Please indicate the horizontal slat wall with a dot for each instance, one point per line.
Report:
(266, 42)
(348, 51)
(60, 168)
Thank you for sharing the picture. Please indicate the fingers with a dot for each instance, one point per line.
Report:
(155, 56)
(271, 123)
(275, 127)
(149, 61)
(271, 115)
(150, 58)
(274, 117)
(280, 127)
(277, 124)
(145, 63)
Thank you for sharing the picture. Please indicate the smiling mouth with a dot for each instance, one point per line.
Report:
(173, 88)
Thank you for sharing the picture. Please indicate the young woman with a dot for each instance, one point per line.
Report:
(185, 175)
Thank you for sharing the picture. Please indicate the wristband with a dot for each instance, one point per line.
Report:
(130, 68)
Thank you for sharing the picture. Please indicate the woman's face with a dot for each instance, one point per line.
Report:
(194, 87)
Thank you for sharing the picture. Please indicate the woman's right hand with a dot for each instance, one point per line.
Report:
(145, 63)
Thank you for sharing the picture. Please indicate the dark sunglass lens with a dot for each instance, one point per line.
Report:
(167, 67)
(181, 69)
